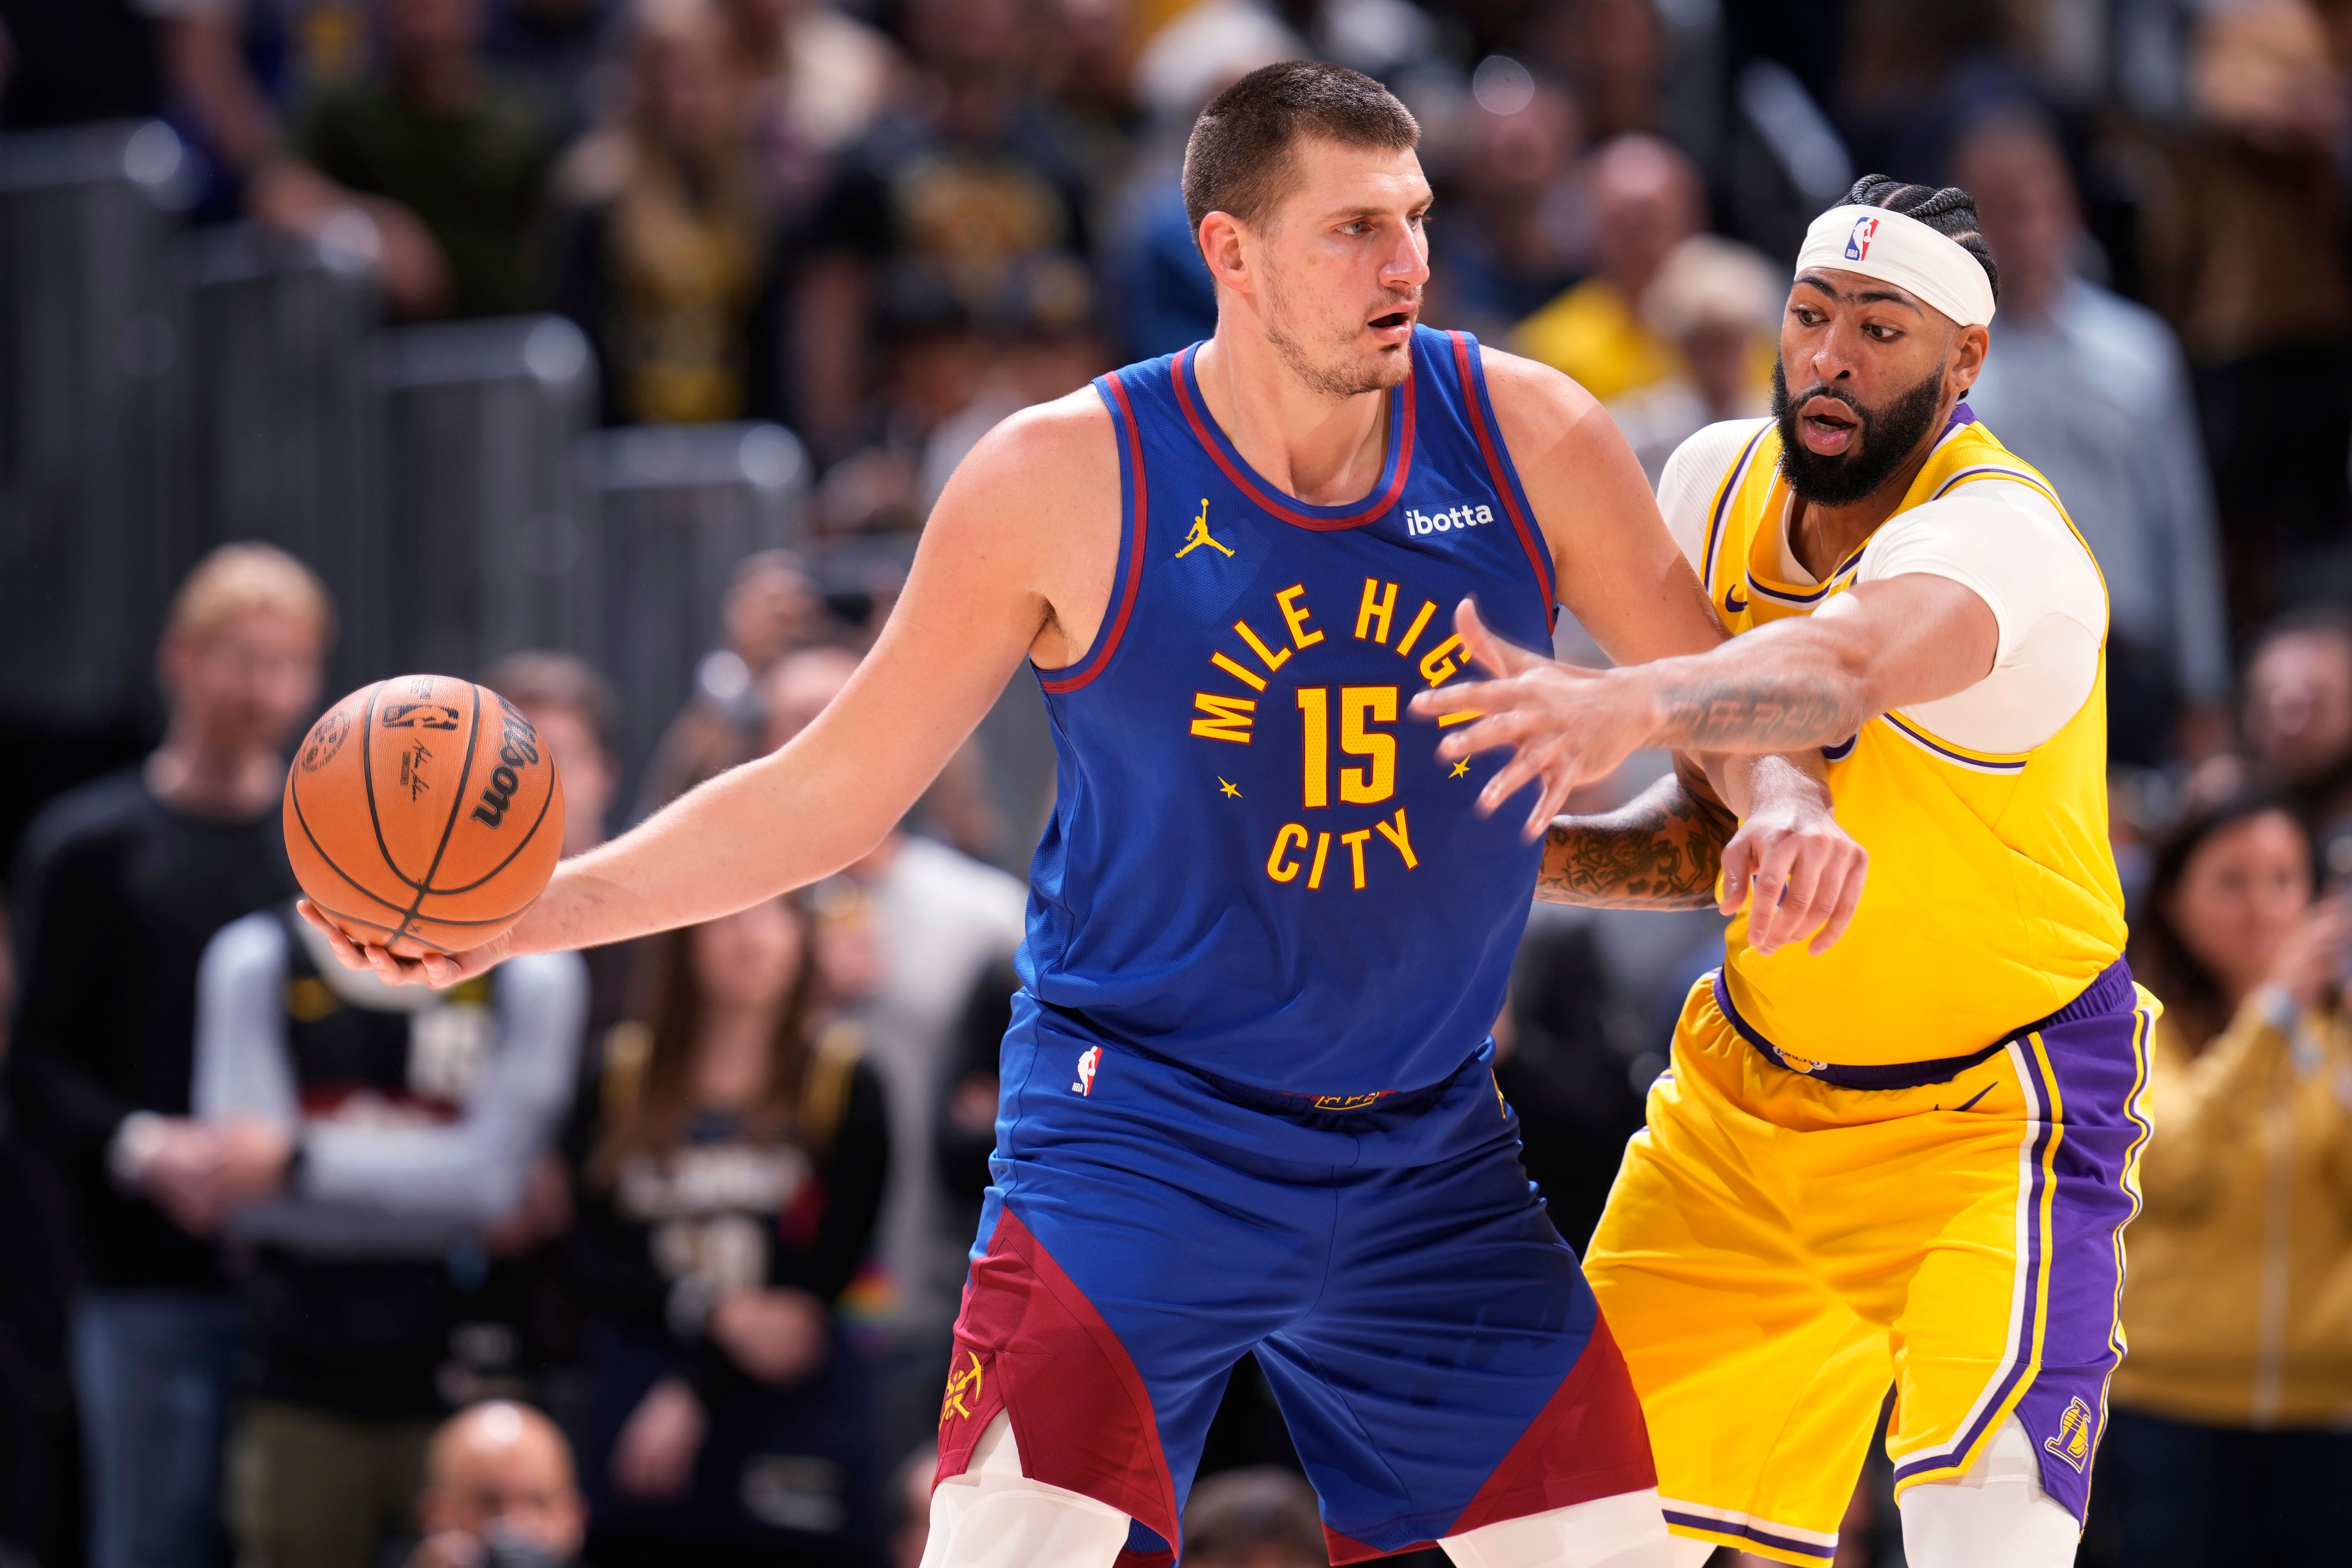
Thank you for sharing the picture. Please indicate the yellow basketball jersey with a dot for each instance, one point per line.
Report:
(1992, 899)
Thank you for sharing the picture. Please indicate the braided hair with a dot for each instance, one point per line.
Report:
(1951, 212)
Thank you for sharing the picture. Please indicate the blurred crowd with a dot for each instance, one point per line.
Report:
(649, 1254)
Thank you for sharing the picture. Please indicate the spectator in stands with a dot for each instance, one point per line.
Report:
(973, 190)
(773, 606)
(121, 885)
(2092, 389)
(405, 1126)
(498, 1492)
(2297, 719)
(669, 251)
(731, 1172)
(1510, 235)
(823, 77)
(2245, 243)
(435, 136)
(1718, 304)
(2226, 1442)
(1262, 1517)
(1645, 200)
(551, 50)
(932, 920)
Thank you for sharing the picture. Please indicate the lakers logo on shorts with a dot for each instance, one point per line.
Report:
(1796, 1064)
(2072, 1443)
(963, 1386)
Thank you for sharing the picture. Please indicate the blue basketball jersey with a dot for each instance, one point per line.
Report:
(1257, 867)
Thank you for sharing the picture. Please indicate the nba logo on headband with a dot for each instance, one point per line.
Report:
(1857, 244)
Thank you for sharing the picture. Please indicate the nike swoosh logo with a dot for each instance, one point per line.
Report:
(1975, 1097)
(1732, 602)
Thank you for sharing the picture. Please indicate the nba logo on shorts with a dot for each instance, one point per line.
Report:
(1089, 1060)
(1857, 244)
(2072, 1443)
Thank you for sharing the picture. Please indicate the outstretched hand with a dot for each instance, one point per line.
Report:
(1566, 725)
(434, 969)
(1797, 871)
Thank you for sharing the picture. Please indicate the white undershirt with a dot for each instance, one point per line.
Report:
(1999, 539)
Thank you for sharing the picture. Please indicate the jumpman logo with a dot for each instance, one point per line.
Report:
(1199, 534)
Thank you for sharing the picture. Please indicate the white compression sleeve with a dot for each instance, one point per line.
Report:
(1996, 1512)
(1624, 1531)
(993, 1516)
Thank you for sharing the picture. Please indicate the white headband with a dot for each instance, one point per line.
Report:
(1905, 252)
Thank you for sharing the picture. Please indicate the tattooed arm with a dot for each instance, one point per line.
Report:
(1662, 849)
(1677, 846)
(1804, 682)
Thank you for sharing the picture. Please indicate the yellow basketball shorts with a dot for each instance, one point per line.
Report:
(1782, 1248)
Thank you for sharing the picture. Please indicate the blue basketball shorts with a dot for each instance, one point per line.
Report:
(1432, 1343)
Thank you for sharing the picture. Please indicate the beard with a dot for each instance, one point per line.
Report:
(1337, 369)
(1884, 439)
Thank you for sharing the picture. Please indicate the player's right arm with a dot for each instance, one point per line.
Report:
(1016, 562)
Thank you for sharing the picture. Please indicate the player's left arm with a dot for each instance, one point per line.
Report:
(1757, 823)
(1914, 636)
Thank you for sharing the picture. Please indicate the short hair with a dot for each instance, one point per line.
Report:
(1239, 155)
(1951, 212)
(247, 579)
(535, 678)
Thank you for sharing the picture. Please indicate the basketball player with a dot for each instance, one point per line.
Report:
(1248, 1101)
(1908, 1161)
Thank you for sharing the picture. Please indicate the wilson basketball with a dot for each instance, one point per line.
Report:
(423, 815)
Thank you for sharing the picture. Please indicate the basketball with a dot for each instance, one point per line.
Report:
(423, 815)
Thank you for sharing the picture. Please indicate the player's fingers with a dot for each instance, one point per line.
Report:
(1483, 734)
(346, 951)
(1509, 779)
(1849, 899)
(1800, 907)
(1766, 884)
(1738, 861)
(1484, 697)
(1490, 651)
(1555, 790)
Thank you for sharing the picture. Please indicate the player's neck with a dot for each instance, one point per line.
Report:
(1317, 447)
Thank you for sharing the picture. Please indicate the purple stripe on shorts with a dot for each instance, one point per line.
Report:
(2019, 1350)
(2096, 1049)
(1749, 1532)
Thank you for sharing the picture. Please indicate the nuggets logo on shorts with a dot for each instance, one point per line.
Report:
(2072, 1443)
(961, 1386)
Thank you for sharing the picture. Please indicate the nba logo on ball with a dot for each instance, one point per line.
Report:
(1857, 244)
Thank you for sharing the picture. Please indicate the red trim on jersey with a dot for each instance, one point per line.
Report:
(1029, 1342)
(1490, 448)
(1108, 641)
(1588, 1441)
(1247, 483)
